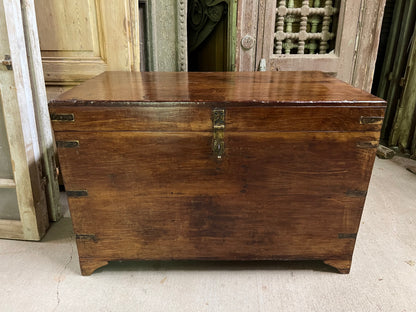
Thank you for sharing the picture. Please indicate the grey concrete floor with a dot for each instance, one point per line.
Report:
(45, 276)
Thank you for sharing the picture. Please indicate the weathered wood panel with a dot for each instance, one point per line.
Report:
(40, 102)
(247, 23)
(371, 19)
(352, 60)
(167, 35)
(20, 122)
(404, 125)
(395, 75)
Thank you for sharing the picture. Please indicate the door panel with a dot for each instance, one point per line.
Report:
(335, 36)
(9, 207)
(307, 25)
(56, 38)
(80, 39)
(23, 210)
(6, 171)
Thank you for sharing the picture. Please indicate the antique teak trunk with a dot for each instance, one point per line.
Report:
(216, 166)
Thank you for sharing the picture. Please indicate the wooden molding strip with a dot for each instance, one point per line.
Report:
(7, 183)
(11, 229)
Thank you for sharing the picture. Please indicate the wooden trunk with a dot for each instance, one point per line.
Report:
(216, 166)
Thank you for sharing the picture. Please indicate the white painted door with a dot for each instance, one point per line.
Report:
(23, 210)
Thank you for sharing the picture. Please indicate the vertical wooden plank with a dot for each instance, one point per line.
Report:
(167, 35)
(115, 40)
(8, 199)
(347, 36)
(6, 170)
(390, 49)
(247, 19)
(404, 123)
(407, 21)
(265, 33)
(46, 138)
(232, 33)
(369, 36)
(22, 132)
(134, 34)
(413, 145)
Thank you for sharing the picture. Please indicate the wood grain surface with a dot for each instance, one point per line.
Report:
(251, 88)
(144, 182)
(165, 196)
(191, 118)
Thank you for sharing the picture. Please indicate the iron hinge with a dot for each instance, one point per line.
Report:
(7, 61)
(67, 144)
(62, 117)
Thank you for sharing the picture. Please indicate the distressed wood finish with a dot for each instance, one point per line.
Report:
(247, 23)
(404, 127)
(370, 21)
(166, 35)
(340, 62)
(145, 183)
(40, 103)
(352, 60)
(18, 116)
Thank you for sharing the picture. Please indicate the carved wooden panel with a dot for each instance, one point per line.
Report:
(247, 28)
(341, 58)
(335, 36)
(166, 35)
(304, 25)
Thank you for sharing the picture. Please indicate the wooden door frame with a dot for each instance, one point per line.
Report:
(367, 43)
(247, 43)
(20, 122)
(40, 102)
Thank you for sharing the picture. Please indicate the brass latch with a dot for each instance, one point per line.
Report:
(218, 125)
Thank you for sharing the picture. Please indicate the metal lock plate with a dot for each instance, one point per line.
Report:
(218, 125)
